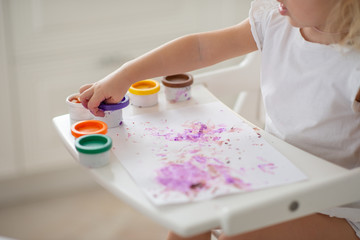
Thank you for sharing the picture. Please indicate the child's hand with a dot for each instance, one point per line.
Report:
(111, 89)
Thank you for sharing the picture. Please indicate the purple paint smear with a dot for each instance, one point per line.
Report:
(190, 171)
(183, 177)
(198, 174)
(181, 95)
(196, 132)
(267, 167)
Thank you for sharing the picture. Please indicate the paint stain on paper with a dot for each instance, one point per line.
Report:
(193, 171)
(195, 132)
(199, 163)
(199, 153)
(197, 174)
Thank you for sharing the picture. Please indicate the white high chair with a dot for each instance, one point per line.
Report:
(239, 88)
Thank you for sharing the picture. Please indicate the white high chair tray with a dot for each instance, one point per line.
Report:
(328, 185)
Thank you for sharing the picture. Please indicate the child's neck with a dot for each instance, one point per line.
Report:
(317, 35)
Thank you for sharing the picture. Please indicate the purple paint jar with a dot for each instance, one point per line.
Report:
(113, 112)
(178, 87)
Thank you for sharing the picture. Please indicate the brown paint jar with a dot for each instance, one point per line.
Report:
(178, 87)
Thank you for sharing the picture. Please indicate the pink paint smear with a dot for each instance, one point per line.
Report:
(198, 174)
(190, 171)
(195, 132)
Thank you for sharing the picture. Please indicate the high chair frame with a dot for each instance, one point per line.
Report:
(327, 185)
(238, 87)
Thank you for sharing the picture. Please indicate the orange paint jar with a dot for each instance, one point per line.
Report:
(88, 127)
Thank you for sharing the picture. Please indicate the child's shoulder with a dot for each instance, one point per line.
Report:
(265, 3)
(263, 6)
(265, 11)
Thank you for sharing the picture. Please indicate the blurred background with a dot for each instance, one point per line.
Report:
(48, 49)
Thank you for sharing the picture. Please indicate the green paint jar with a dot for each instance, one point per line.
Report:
(94, 150)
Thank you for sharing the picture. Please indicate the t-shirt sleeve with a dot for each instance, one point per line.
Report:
(259, 17)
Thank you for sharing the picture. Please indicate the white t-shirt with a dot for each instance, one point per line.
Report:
(309, 89)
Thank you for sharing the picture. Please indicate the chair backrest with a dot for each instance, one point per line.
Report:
(238, 87)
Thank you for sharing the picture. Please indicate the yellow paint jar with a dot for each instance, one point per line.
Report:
(144, 93)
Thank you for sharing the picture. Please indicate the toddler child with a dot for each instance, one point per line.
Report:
(310, 81)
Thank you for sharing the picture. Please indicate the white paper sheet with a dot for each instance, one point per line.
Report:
(196, 153)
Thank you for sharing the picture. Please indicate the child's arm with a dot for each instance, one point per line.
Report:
(180, 55)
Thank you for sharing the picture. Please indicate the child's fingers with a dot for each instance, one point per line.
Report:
(94, 102)
(85, 87)
(112, 100)
(89, 100)
(85, 96)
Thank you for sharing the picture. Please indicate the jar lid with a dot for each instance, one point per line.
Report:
(178, 80)
(88, 127)
(145, 87)
(93, 144)
(115, 106)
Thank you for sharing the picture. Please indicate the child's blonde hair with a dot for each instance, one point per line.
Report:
(345, 18)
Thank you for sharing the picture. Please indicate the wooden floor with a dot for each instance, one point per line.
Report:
(93, 214)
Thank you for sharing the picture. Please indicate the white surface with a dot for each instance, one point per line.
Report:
(94, 160)
(8, 156)
(112, 118)
(177, 94)
(143, 100)
(234, 213)
(196, 153)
